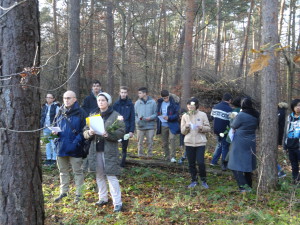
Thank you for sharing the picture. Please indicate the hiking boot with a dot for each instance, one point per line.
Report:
(118, 208)
(60, 197)
(193, 184)
(224, 166)
(212, 164)
(205, 185)
(47, 162)
(101, 203)
(281, 174)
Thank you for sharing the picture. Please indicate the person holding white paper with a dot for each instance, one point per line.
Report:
(195, 140)
(107, 152)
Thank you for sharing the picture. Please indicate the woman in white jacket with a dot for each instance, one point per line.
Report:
(194, 125)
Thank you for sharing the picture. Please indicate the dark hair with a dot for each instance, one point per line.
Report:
(193, 100)
(96, 82)
(246, 103)
(124, 88)
(143, 89)
(227, 97)
(294, 103)
(164, 93)
(237, 102)
(51, 94)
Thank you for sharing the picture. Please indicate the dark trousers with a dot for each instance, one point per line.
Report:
(294, 156)
(196, 154)
(124, 152)
(243, 179)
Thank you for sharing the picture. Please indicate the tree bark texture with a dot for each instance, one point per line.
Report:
(74, 46)
(21, 196)
(269, 99)
(188, 52)
(110, 47)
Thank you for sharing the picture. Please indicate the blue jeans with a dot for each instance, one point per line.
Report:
(50, 147)
(221, 148)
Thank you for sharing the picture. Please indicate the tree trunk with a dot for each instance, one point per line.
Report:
(268, 128)
(241, 65)
(74, 46)
(110, 48)
(21, 196)
(218, 41)
(56, 39)
(178, 70)
(187, 52)
(123, 78)
(282, 4)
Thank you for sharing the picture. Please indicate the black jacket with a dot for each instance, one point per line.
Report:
(90, 104)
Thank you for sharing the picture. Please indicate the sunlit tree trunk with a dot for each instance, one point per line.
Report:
(110, 47)
(21, 196)
(187, 52)
(74, 46)
(268, 177)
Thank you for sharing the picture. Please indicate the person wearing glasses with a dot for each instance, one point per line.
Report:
(71, 121)
(49, 110)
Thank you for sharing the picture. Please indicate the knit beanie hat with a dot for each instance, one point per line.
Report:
(107, 96)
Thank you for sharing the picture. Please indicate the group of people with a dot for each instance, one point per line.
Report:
(146, 116)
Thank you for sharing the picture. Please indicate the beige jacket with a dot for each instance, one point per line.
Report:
(195, 137)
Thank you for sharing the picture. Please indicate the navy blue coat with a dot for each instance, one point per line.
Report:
(70, 143)
(220, 114)
(126, 108)
(90, 104)
(44, 113)
(173, 116)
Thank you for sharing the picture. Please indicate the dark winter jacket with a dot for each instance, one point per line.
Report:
(126, 108)
(282, 106)
(173, 116)
(243, 146)
(70, 141)
(220, 114)
(90, 104)
(292, 133)
(111, 151)
(44, 113)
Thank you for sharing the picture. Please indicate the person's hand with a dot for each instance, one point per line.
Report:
(105, 134)
(91, 132)
(166, 117)
(147, 118)
(130, 134)
(55, 133)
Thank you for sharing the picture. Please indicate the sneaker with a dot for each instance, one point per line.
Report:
(47, 162)
(101, 203)
(180, 161)
(212, 164)
(173, 160)
(281, 174)
(193, 184)
(77, 198)
(118, 208)
(205, 185)
(60, 197)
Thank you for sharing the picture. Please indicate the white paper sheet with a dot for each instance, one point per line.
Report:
(161, 118)
(97, 124)
(55, 129)
(194, 126)
(231, 134)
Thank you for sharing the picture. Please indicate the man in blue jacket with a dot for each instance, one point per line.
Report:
(125, 107)
(167, 123)
(71, 120)
(220, 114)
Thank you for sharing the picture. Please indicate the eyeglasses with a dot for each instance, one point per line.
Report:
(68, 98)
(49, 97)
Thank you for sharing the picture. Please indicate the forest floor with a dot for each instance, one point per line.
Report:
(153, 194)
